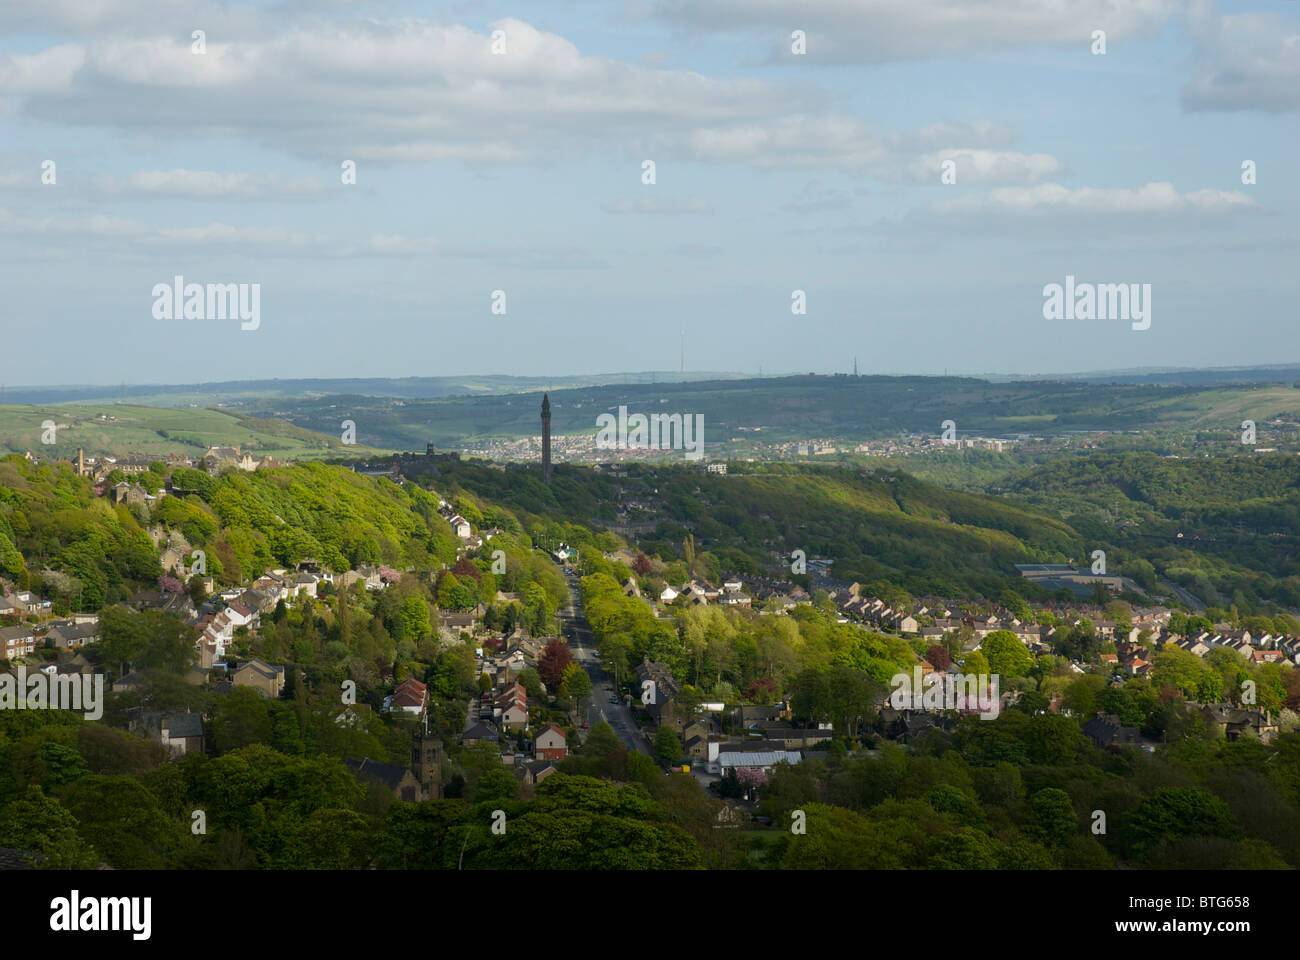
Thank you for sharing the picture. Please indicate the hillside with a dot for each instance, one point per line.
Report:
(1238, 517)
(159, 431)
(742, 412)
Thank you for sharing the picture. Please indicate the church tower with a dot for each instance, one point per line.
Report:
(426, 765)
(546, 439)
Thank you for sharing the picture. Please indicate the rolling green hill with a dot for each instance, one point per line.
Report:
(158, 431)
(795, 408)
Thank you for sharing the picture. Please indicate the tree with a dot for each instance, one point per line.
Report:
(1052, 816)
(1016, 604)
(574, 683)
(41, 825)
(601, 741)
(938, 657)
(1007, 656)
(123, 821)
(415, 617)
(496, 784)
(667, 747)
(839, 839)
(555, 656)
(532, 681)
(1172, 813)
(240, 719)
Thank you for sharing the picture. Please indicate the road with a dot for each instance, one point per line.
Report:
(576, 629)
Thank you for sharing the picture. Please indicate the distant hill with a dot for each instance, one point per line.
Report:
(159, 431)
(737, 411)
(801, 407)
(238, 391)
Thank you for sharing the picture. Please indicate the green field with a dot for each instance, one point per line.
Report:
(158, 431)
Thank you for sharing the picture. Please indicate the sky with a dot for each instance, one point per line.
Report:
(503, 147)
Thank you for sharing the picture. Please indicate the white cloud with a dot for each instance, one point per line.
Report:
(877, 31)
(804, 141)
(1243, 62)
(413, 91)
(208, 185)
(1053, 201)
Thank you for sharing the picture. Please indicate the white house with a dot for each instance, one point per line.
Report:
(239, 616)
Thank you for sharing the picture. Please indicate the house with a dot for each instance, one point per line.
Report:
(241, 616)
(733, 595)
(479, 733)
(1236, 723)
(1106, 731)
(29, 602)
(460, 526)
(172, 561)
(755, 714)
(696, 748)
(19, 641)
(128, 683)
(551, 744)
(69, 636)
(795, 738)
(663, 695)
(511, 707)
(398, 780)
(77, 663)
(514, 715)
(668, 595)
(130, 494)
(8, 608)
(263, 677)
(459, 621)
(182, 733)
(195, 676)
(536, 771)
(410, 697)
(305, 583)
(219, 457)
(731, 759)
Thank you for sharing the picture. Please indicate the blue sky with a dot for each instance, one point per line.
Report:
(522, 172)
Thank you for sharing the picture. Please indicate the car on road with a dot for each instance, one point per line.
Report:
(613, 699)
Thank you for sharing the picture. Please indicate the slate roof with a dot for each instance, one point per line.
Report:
(185, 725)
(386, 773)
(756, 758)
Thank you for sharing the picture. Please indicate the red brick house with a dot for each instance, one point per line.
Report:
(551, 744)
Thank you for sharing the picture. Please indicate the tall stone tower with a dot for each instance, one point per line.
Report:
(546, 439)
(426, 765)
